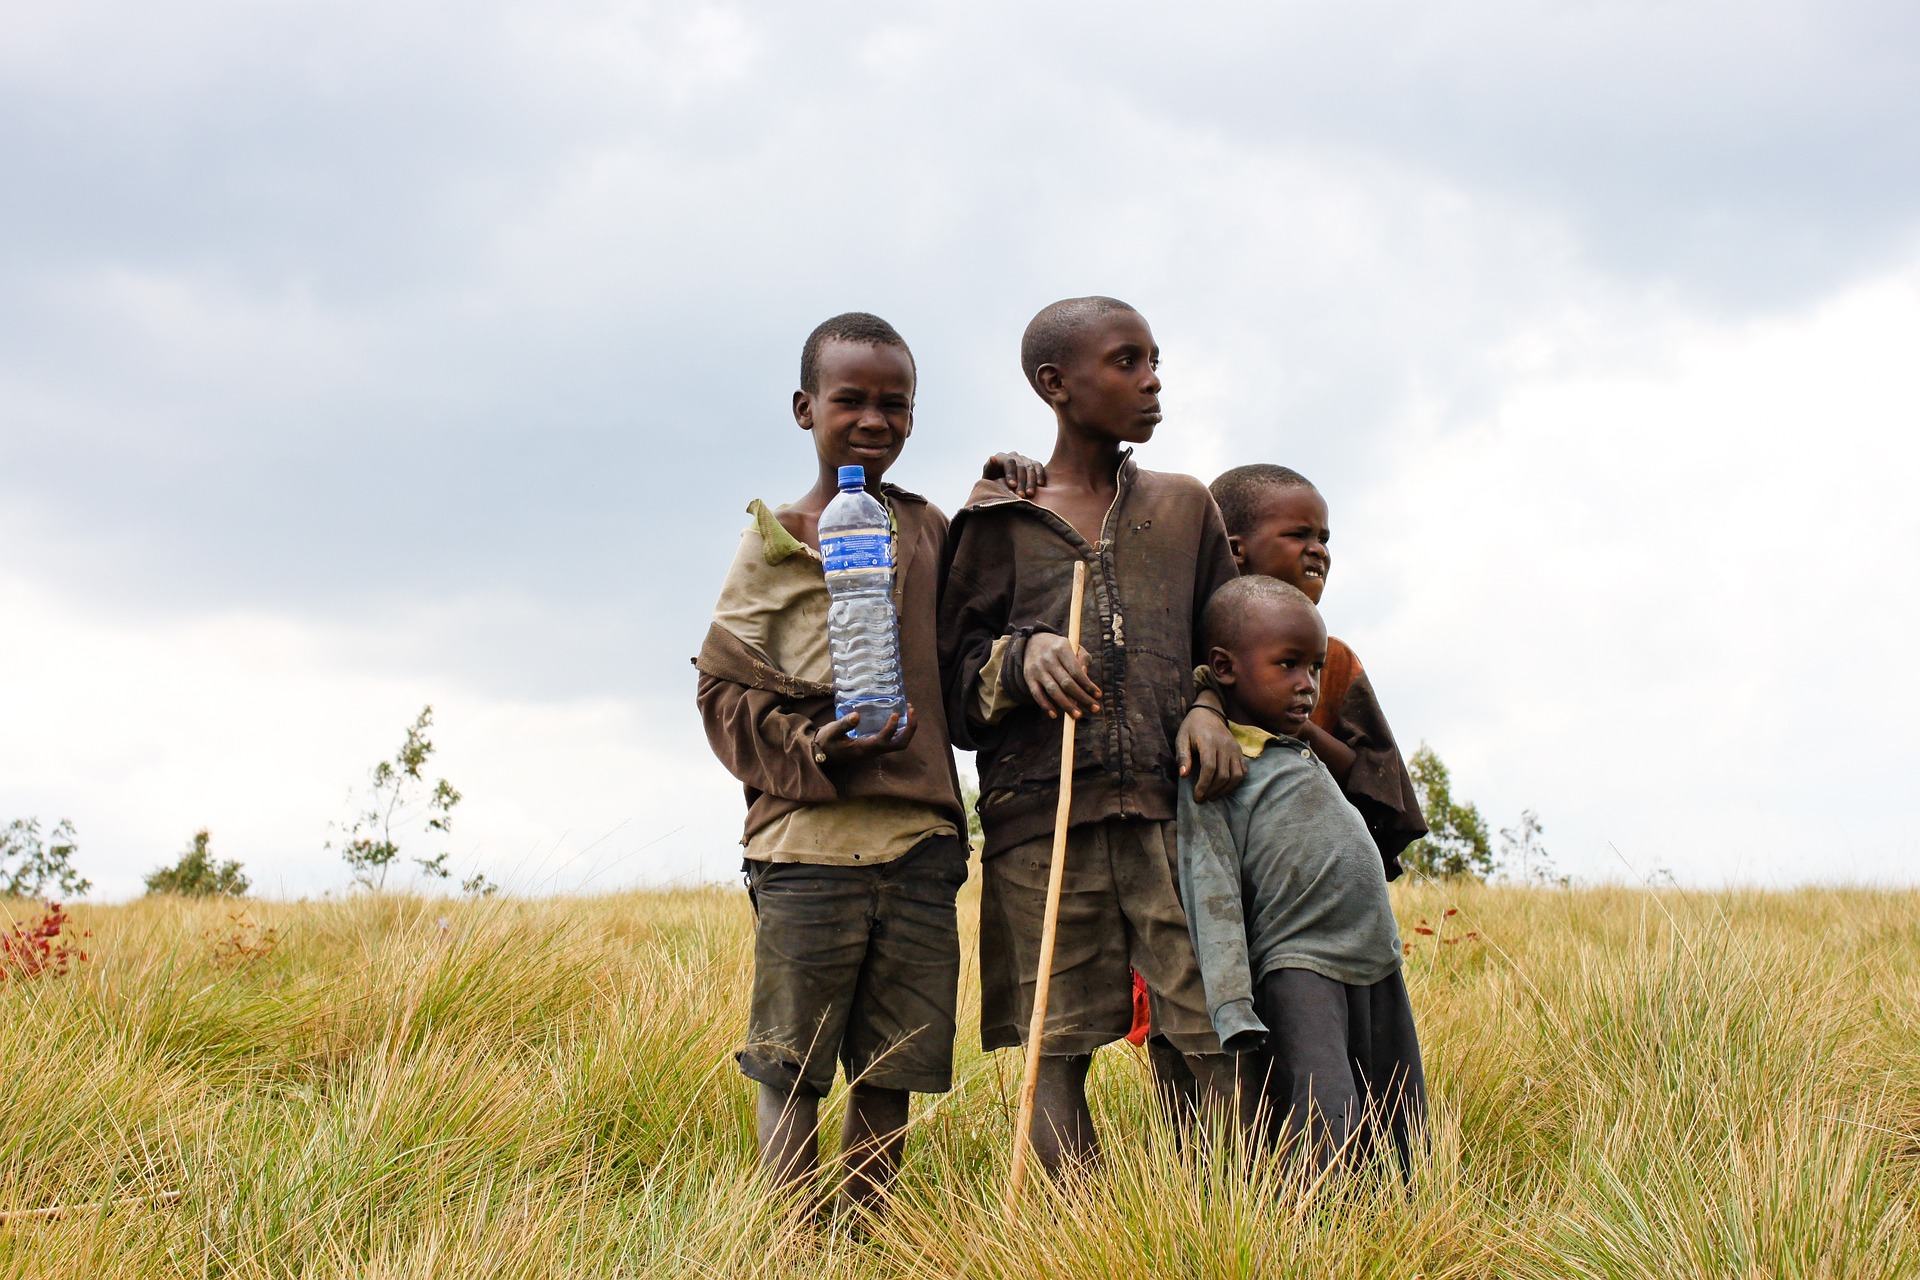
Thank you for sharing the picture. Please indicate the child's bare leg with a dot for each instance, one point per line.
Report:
(1063, 1136)
(872, 1142)
(787, 1123)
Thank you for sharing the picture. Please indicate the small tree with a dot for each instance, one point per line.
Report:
(198, 875)
(1456, 842)
(395, 799)
(30, 865)
(1524, 857)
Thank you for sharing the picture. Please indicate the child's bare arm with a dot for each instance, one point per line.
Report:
(1335, 754)
(1207, 751)
(1204, 743)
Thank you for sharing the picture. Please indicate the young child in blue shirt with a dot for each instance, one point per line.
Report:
(1286, 897)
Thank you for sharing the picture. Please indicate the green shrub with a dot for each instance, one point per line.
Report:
(198, 875)
(1456, 843)
(30, 865)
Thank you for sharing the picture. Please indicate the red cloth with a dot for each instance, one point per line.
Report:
(1343, 664)
(1142, 1020)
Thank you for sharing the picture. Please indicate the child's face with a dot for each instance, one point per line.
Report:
(1289, 540)
(862, 413)
(1272, 674)
(1111, 385)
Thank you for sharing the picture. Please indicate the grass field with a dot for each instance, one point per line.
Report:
(1624, 1084)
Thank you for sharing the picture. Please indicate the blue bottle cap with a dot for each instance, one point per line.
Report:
(852, 478)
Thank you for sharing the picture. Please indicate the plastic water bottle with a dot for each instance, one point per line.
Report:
(863, 633)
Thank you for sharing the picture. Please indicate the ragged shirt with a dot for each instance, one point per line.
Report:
(1161, 553)
(1280, 873)
(766, 689)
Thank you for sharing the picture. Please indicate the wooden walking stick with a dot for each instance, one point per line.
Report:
(1023, 1125)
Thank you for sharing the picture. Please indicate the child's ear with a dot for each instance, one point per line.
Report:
(1048, 381)
(803, 410)
(1222, 663)
(1239, 553)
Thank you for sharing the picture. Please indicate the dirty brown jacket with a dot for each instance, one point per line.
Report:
(761, 720)
(1162, 552)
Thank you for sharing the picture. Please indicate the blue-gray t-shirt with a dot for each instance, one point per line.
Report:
(1280, 874)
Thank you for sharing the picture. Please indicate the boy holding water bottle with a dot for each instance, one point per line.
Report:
(854, 840)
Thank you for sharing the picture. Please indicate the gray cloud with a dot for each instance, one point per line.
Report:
(477, 323)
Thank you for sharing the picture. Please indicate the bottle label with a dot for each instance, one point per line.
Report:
(857, 551)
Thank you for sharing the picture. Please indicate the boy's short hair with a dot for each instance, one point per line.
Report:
(1224, 620)
(1239, 491)
(1050, 335)
(849, 326)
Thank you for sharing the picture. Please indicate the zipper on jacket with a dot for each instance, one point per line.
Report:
(1119, 739)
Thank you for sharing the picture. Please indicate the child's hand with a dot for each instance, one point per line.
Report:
(833, 742)
(1059, 678)
(1023, 475)
(1207, 749)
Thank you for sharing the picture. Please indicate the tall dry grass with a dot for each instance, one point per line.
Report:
(1624, 1084)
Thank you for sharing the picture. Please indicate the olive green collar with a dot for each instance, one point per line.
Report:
(779, 543)
(1253, 739)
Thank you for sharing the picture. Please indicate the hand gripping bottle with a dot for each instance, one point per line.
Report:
(863, 633)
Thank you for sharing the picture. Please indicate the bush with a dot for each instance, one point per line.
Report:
(198, 875)
(30, 865)
(1456, 843)
(398, 797)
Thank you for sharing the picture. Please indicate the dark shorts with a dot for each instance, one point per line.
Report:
(1341, 1066)
(1119, 911)
(859, 965)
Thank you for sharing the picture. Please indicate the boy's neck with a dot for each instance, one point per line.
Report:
(1084, 460)
(801, 517)
(826, 486)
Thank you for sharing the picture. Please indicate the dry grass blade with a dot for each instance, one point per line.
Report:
(52, 1211)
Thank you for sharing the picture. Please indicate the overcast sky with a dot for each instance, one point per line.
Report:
(355, 356)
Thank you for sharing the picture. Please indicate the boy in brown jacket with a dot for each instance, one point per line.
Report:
(1155, 549)
(854, 845)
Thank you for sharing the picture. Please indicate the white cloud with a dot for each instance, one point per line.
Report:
(1670, 604)
(257, 727)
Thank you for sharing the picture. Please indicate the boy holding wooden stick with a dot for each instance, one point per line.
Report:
(1154, 550)
(854, 845)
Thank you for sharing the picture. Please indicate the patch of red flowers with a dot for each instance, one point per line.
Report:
(29, 951)
(1426, 930)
